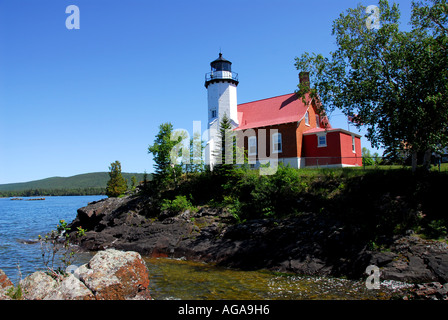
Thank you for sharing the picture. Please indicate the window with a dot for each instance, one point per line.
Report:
(317, 121)
(213, 113)
(252, 146)
(322, 140)
(277, 143)
(353, 144)
(307, 118)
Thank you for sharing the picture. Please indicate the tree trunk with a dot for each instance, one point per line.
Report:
(427, 160)
(414, 161)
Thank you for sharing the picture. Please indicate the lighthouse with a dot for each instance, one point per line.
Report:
(221, 85)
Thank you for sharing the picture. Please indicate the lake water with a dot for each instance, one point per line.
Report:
(21, 222)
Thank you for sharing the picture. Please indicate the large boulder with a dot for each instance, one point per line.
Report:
(116, 275)
(38, 286)
(109, 275)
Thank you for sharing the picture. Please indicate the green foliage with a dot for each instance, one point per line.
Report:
(116, 185)
(395, 82)
(15, 293)
(227, 153)
(166, 172)
(81, 232)
(371, 202)
(179, 204)
(196, 148)
(436, 229)
(370, 160)
(133, 182)
(56, 243)
(224, 153)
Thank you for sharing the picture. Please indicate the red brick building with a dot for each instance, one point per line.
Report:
(295, 133)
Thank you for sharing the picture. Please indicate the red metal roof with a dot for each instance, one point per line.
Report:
(271, 111)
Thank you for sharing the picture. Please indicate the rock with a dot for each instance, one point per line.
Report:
(4, 296)
(70, 288)
(309, 243)
(109, 275)
(5, 285)
(429, 291)
(38, 286)
(115, 275)
(439, 265)
(381, 259)
(108, 212)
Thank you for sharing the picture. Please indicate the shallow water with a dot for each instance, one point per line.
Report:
(187, 280)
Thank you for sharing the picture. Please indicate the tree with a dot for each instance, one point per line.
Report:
(367, 157)
(196, 162)
(228, 152)
(395, 82)
(133, 182)
(145, 182)
(224, 141)
(117, 184)
(165, 170)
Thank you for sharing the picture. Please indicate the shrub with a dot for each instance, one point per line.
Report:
(436, 229)
(180, 203)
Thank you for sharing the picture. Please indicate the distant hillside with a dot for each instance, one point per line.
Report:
(81, 181)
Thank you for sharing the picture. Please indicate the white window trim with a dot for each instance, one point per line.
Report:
(307, 118)
(319, 145)
(353, 144)
(317, 121)
(275, 138)
(252, 139)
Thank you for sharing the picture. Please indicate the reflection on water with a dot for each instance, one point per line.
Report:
(187, 280)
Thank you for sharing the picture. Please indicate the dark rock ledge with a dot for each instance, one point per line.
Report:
(305, 244)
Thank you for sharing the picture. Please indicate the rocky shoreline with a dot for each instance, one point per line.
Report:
(307, 244)
(109, 275)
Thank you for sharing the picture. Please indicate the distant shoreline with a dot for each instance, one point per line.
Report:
(34, 197)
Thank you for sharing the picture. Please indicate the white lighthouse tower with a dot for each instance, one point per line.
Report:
(221, 85)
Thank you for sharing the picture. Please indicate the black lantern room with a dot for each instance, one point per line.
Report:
(221, 64)
(221, 70)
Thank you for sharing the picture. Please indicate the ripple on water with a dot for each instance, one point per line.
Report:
(187, 280)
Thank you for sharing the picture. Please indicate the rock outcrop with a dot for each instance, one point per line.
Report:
(5, 285)
(109, 275)
(307, 244)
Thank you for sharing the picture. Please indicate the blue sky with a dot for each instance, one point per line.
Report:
(73, 101)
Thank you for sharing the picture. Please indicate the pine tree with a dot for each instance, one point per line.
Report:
(227, 153)
(165, 171)
(133, 182)
(116, 185)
